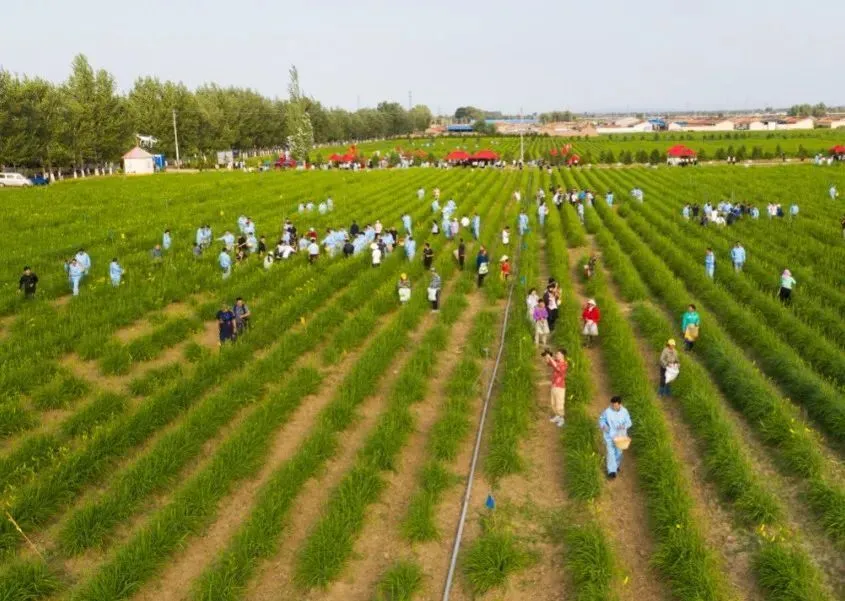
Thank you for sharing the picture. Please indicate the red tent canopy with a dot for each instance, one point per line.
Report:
(681, 151)
(573, 159)
(335, 158)
(457, 155)
(838, 149)
(485, 155)
(347, 158)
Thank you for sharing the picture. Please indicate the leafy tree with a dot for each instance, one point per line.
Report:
(642, 156)
(301, 132)
(469, 113)
(756, 153)
(609, 158)
(741, 153)
(654, 157)
(720, 154)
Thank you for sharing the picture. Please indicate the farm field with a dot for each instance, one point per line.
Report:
(324, 455)
(610, 149)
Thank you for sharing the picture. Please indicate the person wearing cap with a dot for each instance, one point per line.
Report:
(668, 358)
(28, 283)
(786, 284)
(504, 268)
(690, 324)
(115, 272)
(614, 423)
(591, 316)
(434, 291)
(404, 288)
(559, 366)
(482, 265)
(225, 324)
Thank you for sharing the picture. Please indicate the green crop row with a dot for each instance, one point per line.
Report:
(774, 419)
(330, 542)
(589, 557)
(737, 481)
(447, 434)
(674, 528)
(824, 403)
(118, 358)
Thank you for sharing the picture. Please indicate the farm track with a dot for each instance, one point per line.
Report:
(381, 543)
(621, 508)
(275, 576)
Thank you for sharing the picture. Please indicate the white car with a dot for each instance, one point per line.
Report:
(14, 180)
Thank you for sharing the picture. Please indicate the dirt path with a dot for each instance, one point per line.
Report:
(434, 556)
(621, 510)
(381, 542)
(274, 579)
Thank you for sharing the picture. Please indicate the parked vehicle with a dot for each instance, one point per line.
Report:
(14, 180)
(39, 180)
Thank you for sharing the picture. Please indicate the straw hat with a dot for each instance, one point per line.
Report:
(671, 342)
(503, 259)
(404, 276)
(590, 301)
(373, 246)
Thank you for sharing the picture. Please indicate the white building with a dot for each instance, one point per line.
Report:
(637, 127)
(837, 123)
(138, 162)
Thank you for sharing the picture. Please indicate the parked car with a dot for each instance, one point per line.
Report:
(39, 180)
(14, 180)
(281, 163)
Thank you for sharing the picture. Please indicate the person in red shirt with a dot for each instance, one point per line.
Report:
(591, 317)
(505, 268)
(559, 366)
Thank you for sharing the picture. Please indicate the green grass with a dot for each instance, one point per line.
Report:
(400, 582)
(493, 557)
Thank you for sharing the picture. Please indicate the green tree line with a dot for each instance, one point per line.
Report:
(86, 121)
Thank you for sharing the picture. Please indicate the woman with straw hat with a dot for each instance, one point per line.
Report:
(504, 268)
(669, 367)
(614, 423)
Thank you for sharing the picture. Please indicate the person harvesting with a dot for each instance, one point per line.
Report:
(614, 423)
(710, 263)
(690, 323)
(738, 256)
(225, 324)
(482, 265)
(404, 288)
(787, 282)
(434, 291)
(541, 323)
(669, 367)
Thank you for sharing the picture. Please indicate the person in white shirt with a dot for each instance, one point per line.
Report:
(376, 254)
(313, 251)
(506, 236)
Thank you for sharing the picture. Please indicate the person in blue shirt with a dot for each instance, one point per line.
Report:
(406, 222)
(609, 198)
(523, 222)
(115, 272)
(435, 206)
(793, 210)
(225, 262)
(200, 237)
(690, 325)
(410, 248)
(755, 213)
(476, 226)
(166, 240)
(614, 423)
(74, 271)
(685, 212)
(228, 239)
(84, 260)
(738, 256)
(710, 263)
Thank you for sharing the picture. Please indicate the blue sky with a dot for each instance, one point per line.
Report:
(543, 55)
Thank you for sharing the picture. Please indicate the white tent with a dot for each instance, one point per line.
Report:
(138, 162)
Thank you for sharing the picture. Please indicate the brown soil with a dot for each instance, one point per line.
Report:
(380, 544)
(275, 577)
(434, 556)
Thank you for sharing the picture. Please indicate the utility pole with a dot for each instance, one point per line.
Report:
(176, 138)
(521, 143)
(410, 102)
